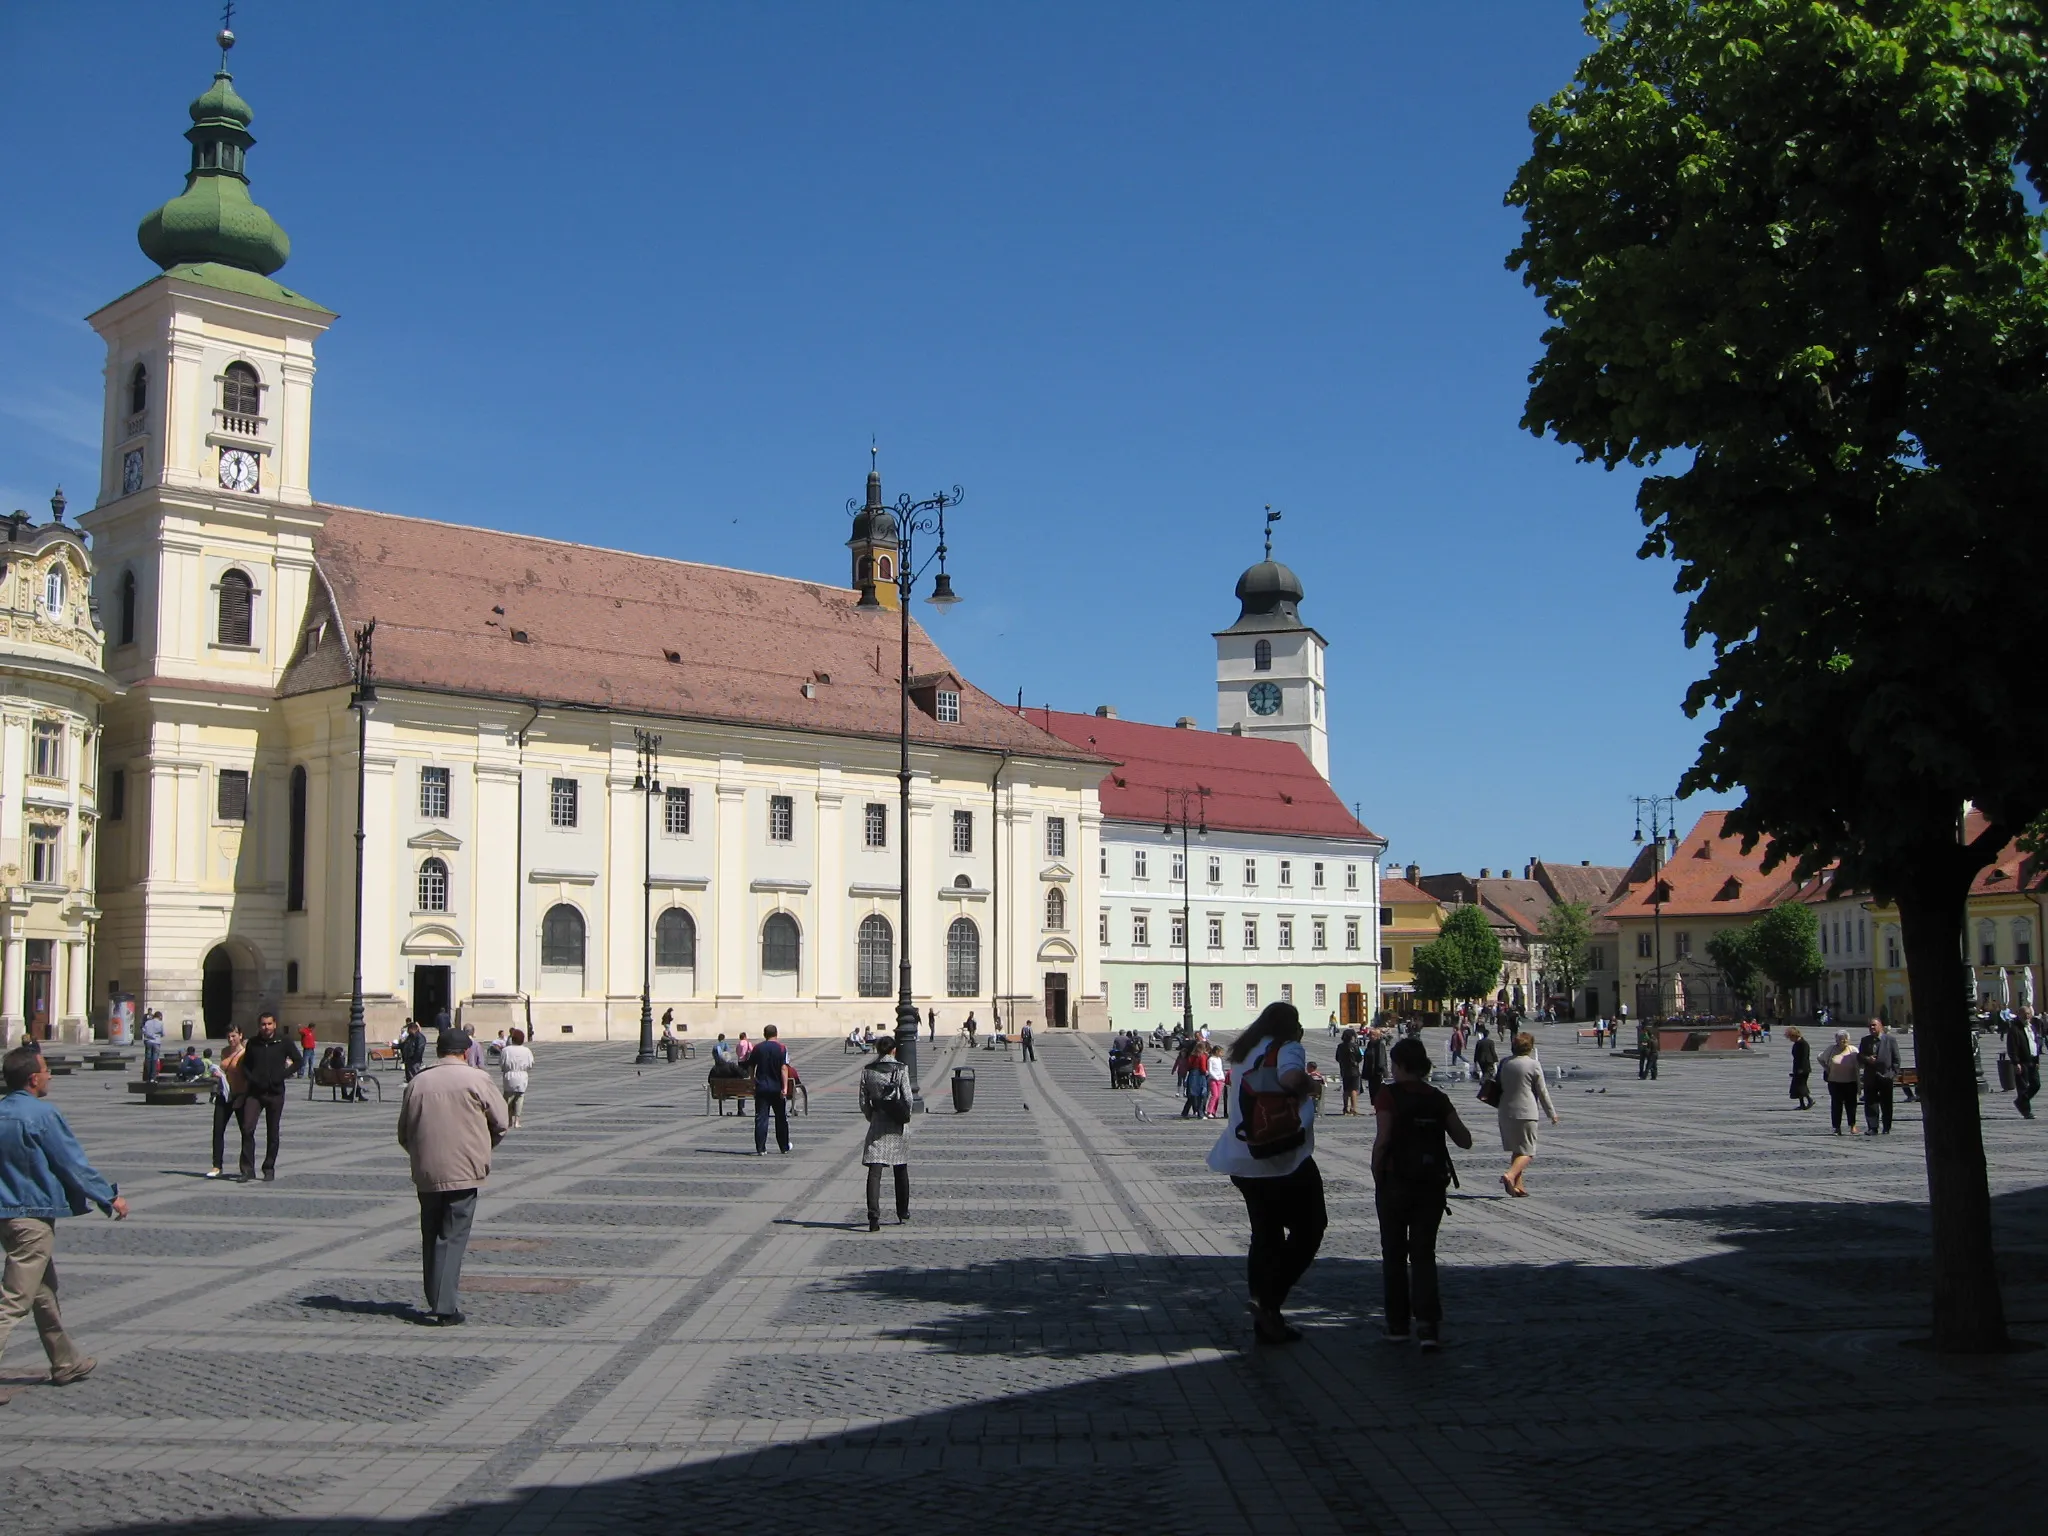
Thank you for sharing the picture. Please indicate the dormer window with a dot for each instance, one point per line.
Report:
(1262, 656)
(948, 707)
(53, 592)
(138, 390)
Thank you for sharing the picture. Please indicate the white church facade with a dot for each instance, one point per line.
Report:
(502, 826)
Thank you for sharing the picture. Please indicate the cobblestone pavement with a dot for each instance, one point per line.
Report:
(1700, 1322)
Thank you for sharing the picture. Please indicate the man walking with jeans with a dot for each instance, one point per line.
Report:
(1880, 1053)
(770, 1064)
(453, 1115)
(152, 1044)
(43, 1175)
(267, 1061)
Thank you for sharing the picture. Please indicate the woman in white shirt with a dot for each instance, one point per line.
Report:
(515, 1061)
(1268, 1148)
(1842, 1066)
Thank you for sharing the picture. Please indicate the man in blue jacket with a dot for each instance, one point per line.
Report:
(43, 1175)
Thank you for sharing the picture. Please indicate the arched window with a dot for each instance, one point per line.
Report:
(138, 390)
(675, 941)
(1987, 942)
(1262, 656)
(877, 955)
(237, 600)
(241, 394)
(2022, 941)
(1056, 909)
(884, 570)
(433, 886)
(781, 945)
(295, 852)
(561, 938)
(963, 959)
(127, 608)
(53, 592)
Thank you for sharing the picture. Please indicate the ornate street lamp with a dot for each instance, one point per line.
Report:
(1662, 811)
(912, 518)
(360, 700)
(646, 779)
(1186, 808)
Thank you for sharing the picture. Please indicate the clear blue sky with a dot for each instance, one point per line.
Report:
(650, 275)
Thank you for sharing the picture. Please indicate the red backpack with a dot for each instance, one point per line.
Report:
(1269, 1121)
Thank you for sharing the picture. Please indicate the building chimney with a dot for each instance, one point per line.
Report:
(1485, 873)
(1414, 873)
(1585, 863)
(1106, 711)
(1529, 870)
(1184, 723)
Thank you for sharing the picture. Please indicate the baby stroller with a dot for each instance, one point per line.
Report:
(1122, 1070)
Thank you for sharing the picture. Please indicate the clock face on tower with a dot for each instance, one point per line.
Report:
(1264, 698)
(131, 471)
(237, 470)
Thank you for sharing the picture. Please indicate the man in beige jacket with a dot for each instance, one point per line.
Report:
(453, 1115)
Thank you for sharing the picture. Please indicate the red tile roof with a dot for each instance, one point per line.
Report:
(1710, 876)
(2011, 873)
(1393, 888)
(474, 611)
(1593, 884)
(1254, 785)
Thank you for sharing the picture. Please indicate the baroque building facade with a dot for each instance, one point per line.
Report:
(495, 753)
(52, 690)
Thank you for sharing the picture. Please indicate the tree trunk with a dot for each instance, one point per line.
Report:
(1969, 1313)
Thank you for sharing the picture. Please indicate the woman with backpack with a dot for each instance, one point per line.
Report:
(1412, 1174)
(1521, 1094)
(1268, 1149)
(1195, 1083)
(885, 1101)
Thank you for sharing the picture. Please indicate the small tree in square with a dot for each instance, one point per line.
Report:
(1463, 962)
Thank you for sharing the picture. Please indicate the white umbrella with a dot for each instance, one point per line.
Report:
(2004, 987)
(1975, 995)
(2026, 986)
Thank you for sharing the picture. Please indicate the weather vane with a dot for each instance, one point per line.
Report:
(1272, 517)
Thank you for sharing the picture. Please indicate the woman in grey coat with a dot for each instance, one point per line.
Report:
(1521, 1094)
(885, 1101)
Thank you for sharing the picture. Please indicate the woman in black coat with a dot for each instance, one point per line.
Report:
(1802, 1066)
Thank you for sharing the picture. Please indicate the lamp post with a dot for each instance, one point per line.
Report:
(360, 700)
(648, 783)
(1186, 809)
(912, 518)
(1662, 812)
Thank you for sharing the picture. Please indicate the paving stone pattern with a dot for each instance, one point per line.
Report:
(1699, 1322)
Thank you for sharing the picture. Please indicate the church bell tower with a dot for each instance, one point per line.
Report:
(1269, 664)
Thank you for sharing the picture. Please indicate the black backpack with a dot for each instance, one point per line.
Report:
(1418, 1153)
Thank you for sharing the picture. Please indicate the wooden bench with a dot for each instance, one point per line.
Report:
(338, 1081)
(1593, 1035)
(721, 1090)
(1003, 1041)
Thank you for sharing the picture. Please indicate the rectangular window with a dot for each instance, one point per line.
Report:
(47, 761)
(781, 819)
(1251, 933)
(675, 811)
(1215, 994)
(1287, 872)
(875, 825)
(2022, 951)
(1681, 943)
(1386, 958)
(1319, 934)
(1102, 861)
(1138, 865)
(1251, 996)
(963, 831)
(42, 856)
(562, 803)
(1287, 933)
(1215, 933)
(1386, 917)
(1286, 991)
(1180, 996)
(1350, 877)
(1141, 930)
(1251, 871)
(433, 793)
(1055, 837)
(1102, 929)
(1180, 867)
(1322, 995)
(1215, 870)
(1351, 933)
(117, 794)
(1596, 958)
(948, 707)
(1179, 924)
(1642, 946)
(231, 795)
(1141, 995)
(1315, 874)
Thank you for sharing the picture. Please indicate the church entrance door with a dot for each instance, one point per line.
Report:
(433, 989)
(1056, 999)
(217, 991)
(36, 1000)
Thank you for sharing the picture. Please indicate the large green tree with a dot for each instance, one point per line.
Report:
(1462, 962)
(1735, 957)
(1564, 935)
(1784, 944)
(1792, 271)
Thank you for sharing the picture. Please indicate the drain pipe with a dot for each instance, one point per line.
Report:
(519, 878)
(995, 896)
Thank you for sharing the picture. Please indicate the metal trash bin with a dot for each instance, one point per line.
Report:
(675, 1051)
(963, 1090)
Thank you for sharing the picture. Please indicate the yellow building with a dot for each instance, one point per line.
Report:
(1409, 918)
